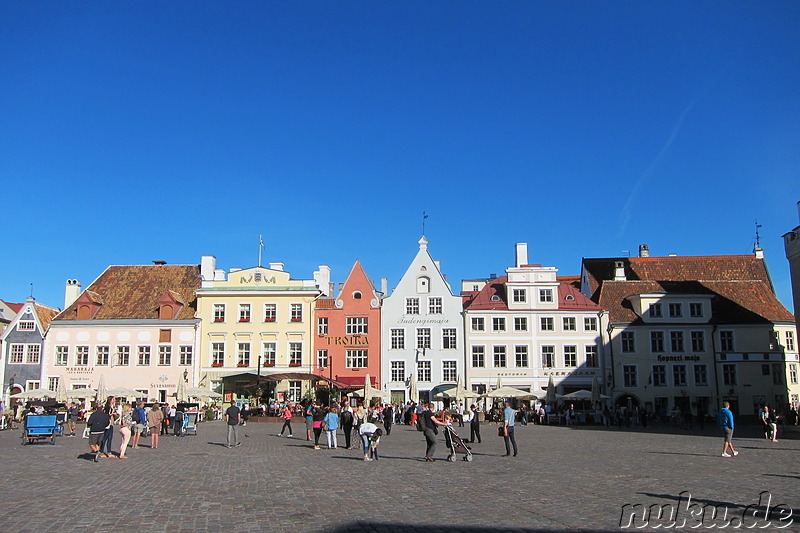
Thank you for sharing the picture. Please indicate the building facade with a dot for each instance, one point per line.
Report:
(687, 333)
(22, 345)
(528, 326)
(133, 327)
(347, 343)
(421, 332)
(257, 321)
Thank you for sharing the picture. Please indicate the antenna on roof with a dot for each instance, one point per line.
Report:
(424, 216)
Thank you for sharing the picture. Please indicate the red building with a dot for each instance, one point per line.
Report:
(347, 344)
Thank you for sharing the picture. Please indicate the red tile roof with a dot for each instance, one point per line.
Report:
(493, 297)
(133, 291)
(740, 285)
(15, 307)
(45, 314)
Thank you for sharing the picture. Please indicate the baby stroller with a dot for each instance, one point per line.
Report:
(456, 445)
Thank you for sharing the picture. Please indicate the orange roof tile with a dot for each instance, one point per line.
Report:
(133, 291)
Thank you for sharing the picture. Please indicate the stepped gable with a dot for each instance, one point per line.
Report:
(133, 292)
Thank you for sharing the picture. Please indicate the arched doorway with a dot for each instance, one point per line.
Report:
(628, 401)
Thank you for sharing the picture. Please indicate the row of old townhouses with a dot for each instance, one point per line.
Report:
(657, 332)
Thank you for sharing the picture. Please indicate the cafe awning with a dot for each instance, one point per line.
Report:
(298, 376)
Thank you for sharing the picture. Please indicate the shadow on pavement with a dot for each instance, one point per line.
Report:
(358, 527)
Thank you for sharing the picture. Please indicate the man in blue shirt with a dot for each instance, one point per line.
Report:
(725, 419)
(508, 422)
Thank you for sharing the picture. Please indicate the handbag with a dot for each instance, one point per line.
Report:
(324, 426)
(501, 431)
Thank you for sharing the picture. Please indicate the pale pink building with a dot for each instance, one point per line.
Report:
(134, 326)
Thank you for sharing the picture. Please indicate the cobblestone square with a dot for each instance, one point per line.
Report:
(563, 479)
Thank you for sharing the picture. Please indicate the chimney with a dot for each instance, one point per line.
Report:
(644, 250)
(619, 271)
(522, 253)
(207, 265)
(159, 263)
(759, 252)
(276, 266)
(322, 278)
(72, 291)
(385, 286)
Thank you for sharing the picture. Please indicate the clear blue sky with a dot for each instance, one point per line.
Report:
(139, 131)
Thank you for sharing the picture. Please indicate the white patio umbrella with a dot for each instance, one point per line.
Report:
(123, 392)
(507, 392)
(201, 393)
(102, 394)
(180, 394)
(61, 392)
(550, 398)
(461, 392)
(595, 391)
(75, 394)
(582, 394)
(369, 392)
(34, 393)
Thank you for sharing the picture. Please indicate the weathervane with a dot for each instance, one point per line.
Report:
(758, 235)
(424, 216)
(260, 248)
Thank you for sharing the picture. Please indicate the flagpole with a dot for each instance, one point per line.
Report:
(260, 247)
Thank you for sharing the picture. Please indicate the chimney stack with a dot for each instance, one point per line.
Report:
(276, 266)
(385, 286)
(644, 250)
(71, 292)
(322, 278)
(522, 253)
(619, 271)
(207, 265)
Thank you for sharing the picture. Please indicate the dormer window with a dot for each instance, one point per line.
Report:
(87, 305)
(569, 297)
(169, 305)
(675, 310)
(696, 310)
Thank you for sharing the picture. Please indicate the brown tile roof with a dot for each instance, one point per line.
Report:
(45, 314)
(569, 297)
(133, 291)
(325, 303)
(740, 285)
(678, 268)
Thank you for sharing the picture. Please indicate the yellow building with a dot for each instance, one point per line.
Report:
(256, 321)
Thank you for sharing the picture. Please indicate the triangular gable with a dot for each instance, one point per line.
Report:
(358, 282)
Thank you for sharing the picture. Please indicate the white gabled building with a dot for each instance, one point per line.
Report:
(529, 326)
(421, 332)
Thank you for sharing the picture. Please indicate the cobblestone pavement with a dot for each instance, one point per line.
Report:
(563, 479)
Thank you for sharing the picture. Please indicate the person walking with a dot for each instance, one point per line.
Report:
(108, 435)
(98, 422)
(725, 420)
(232, 416)
(72, 418)
(318, 415)
(429, 422)
(388, 418)
(287, 419)
(140, 424)
(346, 418)
(332, 423)
(474, 425)
(125, 424)
(309, 411)
(509, 416)
(154, 419)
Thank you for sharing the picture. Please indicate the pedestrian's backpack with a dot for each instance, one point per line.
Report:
(347, 418)
(420, 423)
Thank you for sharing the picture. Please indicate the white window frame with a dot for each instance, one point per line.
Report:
(62, 355)
(357, 325)
(185, 355)
(270, 312)
(164, 355)
(435, 305)
(449, 371)
(357, 358)
(322, 325)
(102, 355)
(296, 312)
(245, 312)
(412, 306)
(219, 313)
(449, 338)
(397, 338)
(269, 353)
(397, 371)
